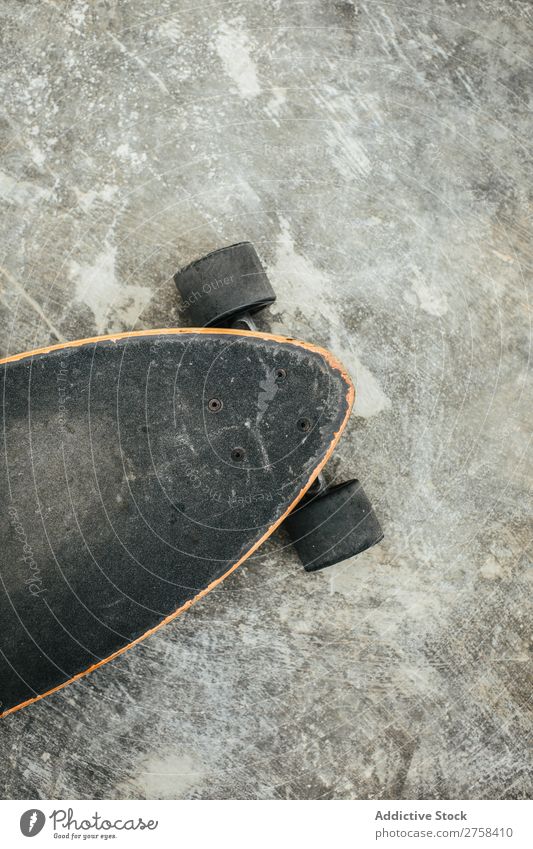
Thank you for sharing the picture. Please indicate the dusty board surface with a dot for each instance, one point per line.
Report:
(139, 472)
(376, 154)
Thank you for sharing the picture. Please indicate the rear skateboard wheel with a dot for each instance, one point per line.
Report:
(333, 526)
(224, 284)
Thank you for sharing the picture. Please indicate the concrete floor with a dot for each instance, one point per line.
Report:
(377, 155)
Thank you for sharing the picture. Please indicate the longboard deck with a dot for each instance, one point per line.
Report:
(138, 471)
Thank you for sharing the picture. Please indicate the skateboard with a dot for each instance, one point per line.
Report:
(141, 469)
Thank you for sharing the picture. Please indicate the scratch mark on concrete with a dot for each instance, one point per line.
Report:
(97, 288)
(233, 48)
(430, 299)
(140, 62)
(20, 191)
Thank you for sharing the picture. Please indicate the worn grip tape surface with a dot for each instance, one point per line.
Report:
(138, 471)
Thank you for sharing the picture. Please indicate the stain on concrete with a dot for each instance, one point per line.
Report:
(377, 156)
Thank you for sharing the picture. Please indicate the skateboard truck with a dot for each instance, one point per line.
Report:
(225, 289)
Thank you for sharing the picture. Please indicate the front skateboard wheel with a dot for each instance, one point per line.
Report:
(223, 285)
(333, 526)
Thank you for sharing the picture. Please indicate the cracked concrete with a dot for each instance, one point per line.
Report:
(378, 156)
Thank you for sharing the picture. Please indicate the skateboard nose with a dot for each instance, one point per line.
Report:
(175, 456)
(223, 284)
(265, 406)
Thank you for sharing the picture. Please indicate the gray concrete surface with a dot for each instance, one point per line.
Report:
(378, 155)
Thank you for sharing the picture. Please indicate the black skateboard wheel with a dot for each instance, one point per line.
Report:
(222, 285)
(333, 526)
